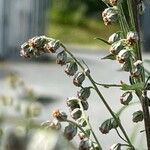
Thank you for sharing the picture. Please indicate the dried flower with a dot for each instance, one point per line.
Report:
(61, 116)
(132, 37)
(137, 116)
(126, 98)
(114, 38)
(110, 15)
(78, 78)
(61, 58)
(70, 131)
(76, 113)
(116, 147)
(84, 93)
(71, 68)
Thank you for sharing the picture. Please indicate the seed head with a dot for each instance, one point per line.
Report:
(60, 116)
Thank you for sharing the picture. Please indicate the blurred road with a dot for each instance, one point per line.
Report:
(49, 79)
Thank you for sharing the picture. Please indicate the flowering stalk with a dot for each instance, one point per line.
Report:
(102, 98)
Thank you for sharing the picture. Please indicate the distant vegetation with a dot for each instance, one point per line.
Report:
(78, 22)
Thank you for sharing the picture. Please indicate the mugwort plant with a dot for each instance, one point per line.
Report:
(125, 48)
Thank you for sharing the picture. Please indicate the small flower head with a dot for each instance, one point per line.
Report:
(110, 15)
(52, 46)
(85, 105)
(61, 58)
(71, 68)
(76, 113)
(116, 47)
(84, 93)
(78, 79)
(107, 125)
(137, 116)
(73, 103)
(126, 98)
(132, 37)
(114, 38)
(138, 69)
(123, 55)
(61, 116)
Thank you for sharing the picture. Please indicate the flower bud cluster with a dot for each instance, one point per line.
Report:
(110, 15)
(122, 50)
(39, 45)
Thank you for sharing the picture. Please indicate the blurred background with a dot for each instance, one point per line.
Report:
(31, 90)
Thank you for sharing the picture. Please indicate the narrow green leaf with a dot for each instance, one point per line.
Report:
(100, 39)
(136, 86)
(110, 56)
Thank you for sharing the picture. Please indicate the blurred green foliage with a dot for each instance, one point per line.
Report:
(78, 22)
(74, 11)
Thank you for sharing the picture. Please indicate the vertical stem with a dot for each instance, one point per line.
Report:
(146, 118)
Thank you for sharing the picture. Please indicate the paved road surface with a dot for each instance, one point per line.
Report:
(49, 79)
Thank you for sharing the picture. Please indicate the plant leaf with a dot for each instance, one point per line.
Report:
(136, 86)
(110, 56)
(100, 39)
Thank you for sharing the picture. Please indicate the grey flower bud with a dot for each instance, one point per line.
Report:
(137, 116)
(52, 46)
(138, 68)
(71, 68)
(85, 105)
(132, 37)
(116, 147)
(123, 55)
(107, 125)
(84, 93)
(70, 131)
(60, 116)
(61, 58)
(114, 38)
(78, 79)
(126, 98)
(110, 15)
(116, 47)
(85, 144)
(76, 113)
(73, 103)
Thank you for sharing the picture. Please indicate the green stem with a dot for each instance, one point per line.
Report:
(108, 85)
(129, 3)
(89, 125)
(110, 110)
(101, 97)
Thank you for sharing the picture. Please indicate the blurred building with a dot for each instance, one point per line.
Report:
(20, 20)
